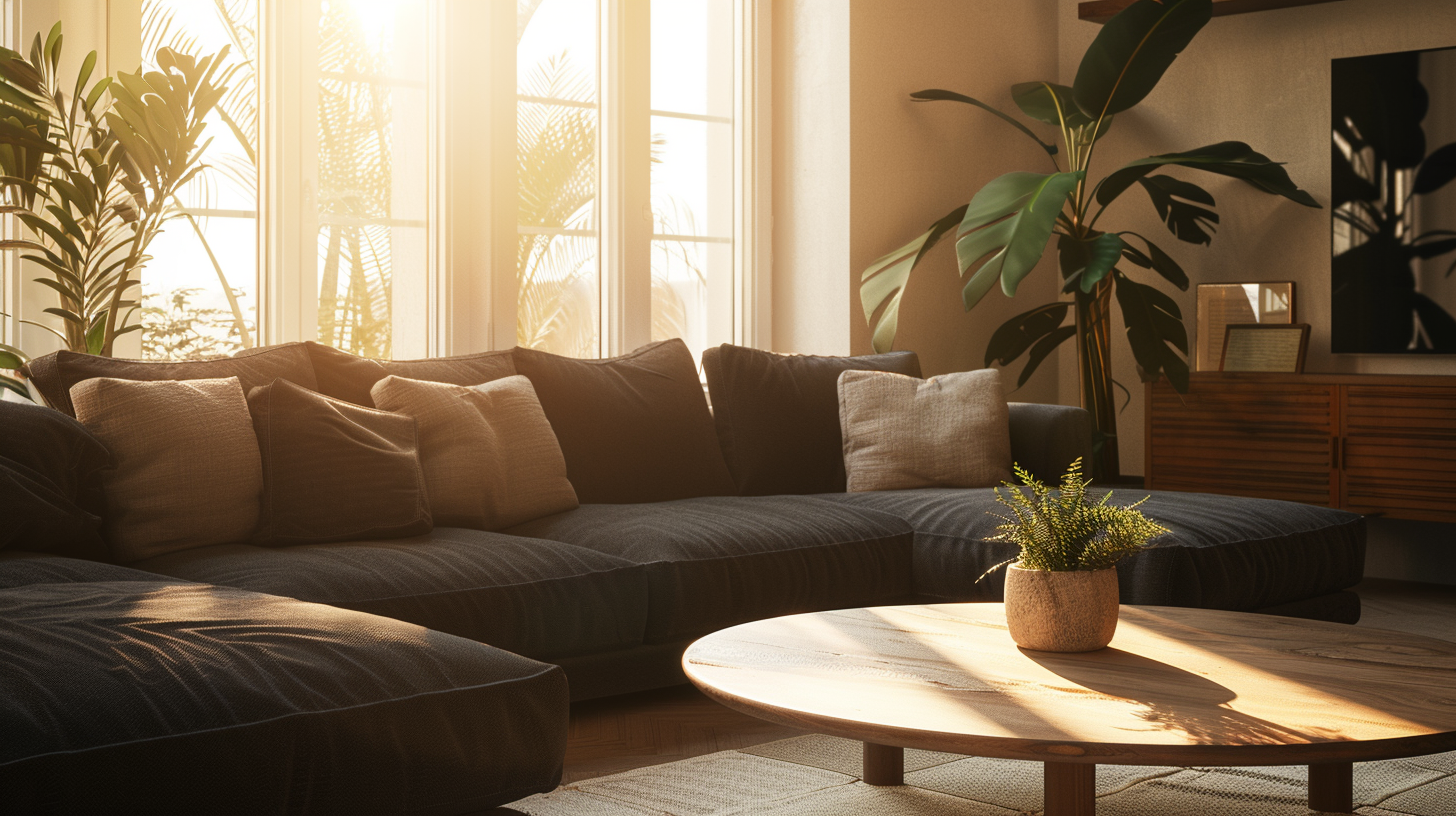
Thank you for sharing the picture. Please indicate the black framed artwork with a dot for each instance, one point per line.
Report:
(1393, 234)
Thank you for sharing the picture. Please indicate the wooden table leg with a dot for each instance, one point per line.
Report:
(1069, 788)
(1332, 787)
(883, 764)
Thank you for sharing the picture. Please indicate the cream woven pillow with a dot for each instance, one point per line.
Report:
(187, 471)
(490, 457)
(902, 432)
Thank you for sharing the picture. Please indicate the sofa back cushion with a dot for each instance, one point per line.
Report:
(334, 471)
(344, 376)
(902, 433)
(57, 448)
(56, 373)
(187, 471)
(634, 428)
(778, 415)
(489, 456)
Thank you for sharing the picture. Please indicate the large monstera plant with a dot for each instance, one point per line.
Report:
(1005, 229)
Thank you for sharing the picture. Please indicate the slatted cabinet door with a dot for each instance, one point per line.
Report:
(1398, 451)
(1265, 438)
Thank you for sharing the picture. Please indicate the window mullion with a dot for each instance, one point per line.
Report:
(624, 200)
(752, 256)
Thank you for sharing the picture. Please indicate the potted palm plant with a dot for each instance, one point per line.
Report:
(93, 171)
(1061, 591)
(1009, 223)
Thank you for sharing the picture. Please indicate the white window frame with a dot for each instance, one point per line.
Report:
(625, 223)
(468, 282)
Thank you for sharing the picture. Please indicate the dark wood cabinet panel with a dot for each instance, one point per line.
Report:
(1399, 451)
(1371, 444)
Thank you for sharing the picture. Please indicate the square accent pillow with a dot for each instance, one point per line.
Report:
(334, 471)
(778, 415)
(902, 432)
(55, 374)
(186, 470)
(634, 428)
(349, 377)
(489, 456)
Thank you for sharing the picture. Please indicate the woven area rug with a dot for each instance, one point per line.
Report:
(819, 776)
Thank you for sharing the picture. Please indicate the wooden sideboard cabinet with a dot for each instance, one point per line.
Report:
(1368, 443)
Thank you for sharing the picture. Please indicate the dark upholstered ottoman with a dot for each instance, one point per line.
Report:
(133, 696)
(1222, 552)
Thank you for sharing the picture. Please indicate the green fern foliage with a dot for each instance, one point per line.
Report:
(1059, 530)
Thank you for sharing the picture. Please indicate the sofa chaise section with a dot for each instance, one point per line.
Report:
(162, 696)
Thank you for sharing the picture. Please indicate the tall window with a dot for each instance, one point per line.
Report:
(358, 116)
(322, 213)
(200, 292)
(686, 185)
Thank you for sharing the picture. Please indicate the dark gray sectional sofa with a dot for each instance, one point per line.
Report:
(610, 593)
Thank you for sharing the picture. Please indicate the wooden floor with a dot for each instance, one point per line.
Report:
(650, 728)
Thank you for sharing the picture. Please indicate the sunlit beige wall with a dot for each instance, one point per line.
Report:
(1261, 78)
(860, 169)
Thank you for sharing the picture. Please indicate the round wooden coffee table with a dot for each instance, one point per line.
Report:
(1176, 687)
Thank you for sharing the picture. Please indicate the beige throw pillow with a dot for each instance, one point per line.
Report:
(187, 471)
(490, 457)
(902, 432)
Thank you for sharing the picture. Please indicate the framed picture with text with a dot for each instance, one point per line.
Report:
(1267, 347)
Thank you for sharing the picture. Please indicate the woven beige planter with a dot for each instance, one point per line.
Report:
(1061, 611)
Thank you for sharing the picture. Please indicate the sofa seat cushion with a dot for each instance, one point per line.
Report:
(180, 698)
(20, 568)
(542, 599)
(718, 561)
(1222, 552)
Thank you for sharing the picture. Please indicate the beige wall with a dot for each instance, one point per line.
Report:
(1261, 78)
(861, 169)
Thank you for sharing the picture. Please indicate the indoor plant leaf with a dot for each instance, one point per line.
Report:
(1157, 260)
(1154, 325)
(1052, 103)
(1018, 334)
(1436, 171)
(1132, 52)
(1043, 348)
(1010, 220)
(1187, 221)
(883, 283)
(1086, 261)
(937, 95)
(1233, 159)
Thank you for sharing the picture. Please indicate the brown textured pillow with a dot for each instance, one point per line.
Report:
(186, 469)
(634, 428)
(902, 432)
(56, 373)
(778, 415)
(348, 377)
(489, 456)
(334, 471)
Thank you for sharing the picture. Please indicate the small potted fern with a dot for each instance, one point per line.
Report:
(1061, 591)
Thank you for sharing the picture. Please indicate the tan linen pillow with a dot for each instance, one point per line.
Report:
(490, 458)
(902, 432)
(187, 471)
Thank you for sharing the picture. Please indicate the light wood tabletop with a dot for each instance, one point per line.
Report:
(1175, 687)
